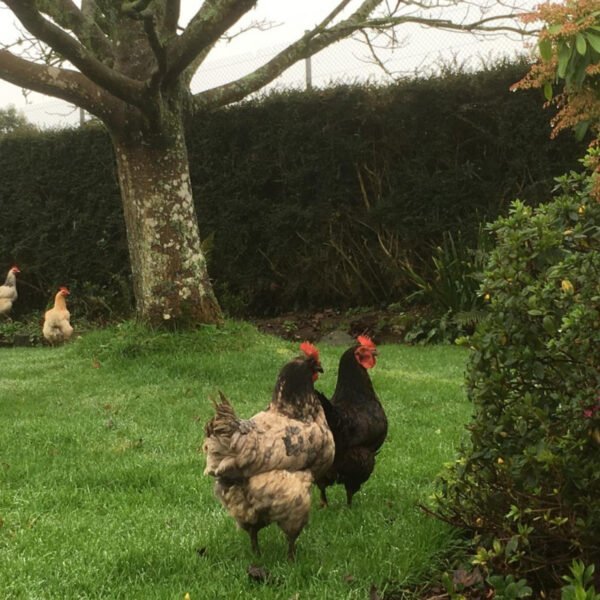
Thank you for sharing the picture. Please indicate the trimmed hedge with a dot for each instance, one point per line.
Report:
(63, 222)
(305, 199)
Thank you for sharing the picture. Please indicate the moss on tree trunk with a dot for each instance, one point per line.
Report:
(170, 277)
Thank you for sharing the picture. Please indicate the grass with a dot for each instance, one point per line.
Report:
(101, 486)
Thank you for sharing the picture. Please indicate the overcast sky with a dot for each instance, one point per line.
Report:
(345, 61)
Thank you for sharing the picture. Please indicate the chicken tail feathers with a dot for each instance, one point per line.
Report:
(222, 439)
(225, 422)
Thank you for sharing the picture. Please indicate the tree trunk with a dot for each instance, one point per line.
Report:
(170, 279)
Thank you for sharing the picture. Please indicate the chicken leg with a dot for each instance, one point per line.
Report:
(292, 537)
(253, 533)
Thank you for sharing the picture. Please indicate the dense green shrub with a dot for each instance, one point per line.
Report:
(309, 199)
(326, 195)
(63, 220)
(528, 485)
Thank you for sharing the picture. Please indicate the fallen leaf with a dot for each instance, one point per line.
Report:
(258, 574)
(466, 578)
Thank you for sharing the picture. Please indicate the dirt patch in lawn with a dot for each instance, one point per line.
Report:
(337, 327)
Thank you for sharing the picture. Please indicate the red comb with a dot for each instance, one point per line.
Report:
(366, 341)
(310, 350)
(64, 289)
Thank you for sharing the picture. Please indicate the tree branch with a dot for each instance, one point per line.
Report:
(262, 25)
(334, 13)
(322, 36)
(310, 43)
(375, 56)
(69, 16)
(213, 19)
(171, 18)
(140, 10)
(135, 6)
(157, 46)
(475, 26)
(90, 10)
(122, 87)
(65, 84)
(190, 71)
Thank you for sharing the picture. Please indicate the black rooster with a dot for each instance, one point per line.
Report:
(356, 419)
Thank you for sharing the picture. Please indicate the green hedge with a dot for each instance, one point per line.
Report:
(63, 222)
(305, 199)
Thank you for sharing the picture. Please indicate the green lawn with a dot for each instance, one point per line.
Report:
(101, 486)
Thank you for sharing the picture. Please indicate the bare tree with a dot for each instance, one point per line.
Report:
(129, 63)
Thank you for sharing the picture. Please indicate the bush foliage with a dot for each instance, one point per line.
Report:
(305, 199)
(528, 485)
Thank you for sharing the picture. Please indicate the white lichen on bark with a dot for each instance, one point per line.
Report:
(169, 267)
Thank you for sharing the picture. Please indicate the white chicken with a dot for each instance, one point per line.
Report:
(57, 321)
(8, 291)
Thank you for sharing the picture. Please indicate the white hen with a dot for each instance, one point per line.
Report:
(8, 291)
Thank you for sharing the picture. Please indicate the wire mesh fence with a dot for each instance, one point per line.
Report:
(420, 52)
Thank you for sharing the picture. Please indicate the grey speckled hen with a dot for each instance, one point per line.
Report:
(264, 466)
